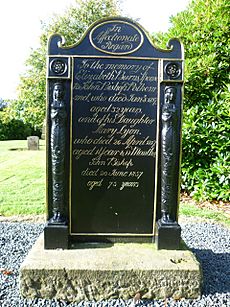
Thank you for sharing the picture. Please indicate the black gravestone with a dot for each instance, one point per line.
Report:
(113, 137)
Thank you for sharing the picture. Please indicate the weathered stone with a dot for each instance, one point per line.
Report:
(33, 142)
(105, 271)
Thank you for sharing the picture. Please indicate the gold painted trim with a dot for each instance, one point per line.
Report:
(180, 157)
(115, 57)
(156, 158)
(58, 76)
(157, 148)
(114, 234)
(172, 81)
(62, 78)
(71, 146)
(116, 53)
(47, 148)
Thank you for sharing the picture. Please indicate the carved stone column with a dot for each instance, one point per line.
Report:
(168, 155)
(168, 229)
(56, 230)
(57, 145)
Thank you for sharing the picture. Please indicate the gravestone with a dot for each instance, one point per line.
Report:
(113, 159)
(113, 138)
(33, 142)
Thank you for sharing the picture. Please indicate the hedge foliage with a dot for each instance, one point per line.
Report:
(15, 129)
(204, 30)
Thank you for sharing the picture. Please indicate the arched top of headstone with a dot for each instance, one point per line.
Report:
(118, 37)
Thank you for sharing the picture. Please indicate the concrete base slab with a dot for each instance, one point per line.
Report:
(104, 271)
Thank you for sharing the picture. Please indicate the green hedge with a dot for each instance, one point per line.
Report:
(15, 129)
(206, 154)
(203, 29)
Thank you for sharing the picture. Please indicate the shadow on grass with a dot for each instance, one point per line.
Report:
(17, 149)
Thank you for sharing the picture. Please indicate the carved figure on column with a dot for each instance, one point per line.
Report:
(57, 144)
(168, 156)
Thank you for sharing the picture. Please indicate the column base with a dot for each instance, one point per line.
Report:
(169, 235)
(56, 236)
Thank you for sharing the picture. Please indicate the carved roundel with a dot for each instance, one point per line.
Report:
(173, 70)
(58, 67)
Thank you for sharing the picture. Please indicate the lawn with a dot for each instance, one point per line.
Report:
(22, 178)
(22, 183)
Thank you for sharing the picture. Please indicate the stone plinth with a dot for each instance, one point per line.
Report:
(104, 271)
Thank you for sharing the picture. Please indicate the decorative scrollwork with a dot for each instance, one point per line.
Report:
(58, 66)
(57, 144)
(173, 70)
(168, 155)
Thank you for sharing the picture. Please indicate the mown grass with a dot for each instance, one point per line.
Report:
(22, 178)
(188, 209)
(22, 183)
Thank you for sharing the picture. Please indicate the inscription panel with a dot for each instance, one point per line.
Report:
(114, 126)
(116, 37)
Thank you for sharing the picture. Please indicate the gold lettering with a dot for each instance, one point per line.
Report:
(92, 184)
(132, 184)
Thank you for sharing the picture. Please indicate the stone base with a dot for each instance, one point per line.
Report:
(169, 235)
(104, 271)
(56, 236)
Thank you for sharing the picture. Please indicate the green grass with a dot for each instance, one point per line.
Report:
(22, 184)
(22, 178)
(206, 214)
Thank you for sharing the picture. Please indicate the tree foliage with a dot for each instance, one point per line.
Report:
(11, 127)
(30, 106)
(204, 30)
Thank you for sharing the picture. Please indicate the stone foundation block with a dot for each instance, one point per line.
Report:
(99, 271)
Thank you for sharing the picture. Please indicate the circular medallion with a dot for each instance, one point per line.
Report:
(173, 70)
(58, 67)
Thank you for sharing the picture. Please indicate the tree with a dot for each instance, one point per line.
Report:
(203, 28)
(31, 105)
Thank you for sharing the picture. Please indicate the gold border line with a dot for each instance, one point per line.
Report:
(114, 234)
(71, 145)
(156, 162)
(47, 133)
(115, 57)
(180, 153)
(157, 148)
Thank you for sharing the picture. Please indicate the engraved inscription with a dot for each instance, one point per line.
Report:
(116, 38)
(117, 123)
(114, 133)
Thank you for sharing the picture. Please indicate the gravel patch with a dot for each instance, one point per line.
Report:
(210, 243)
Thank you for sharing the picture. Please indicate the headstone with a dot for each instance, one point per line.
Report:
(43, 136)
(33, 142)
(113, 137)
(113, 157)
